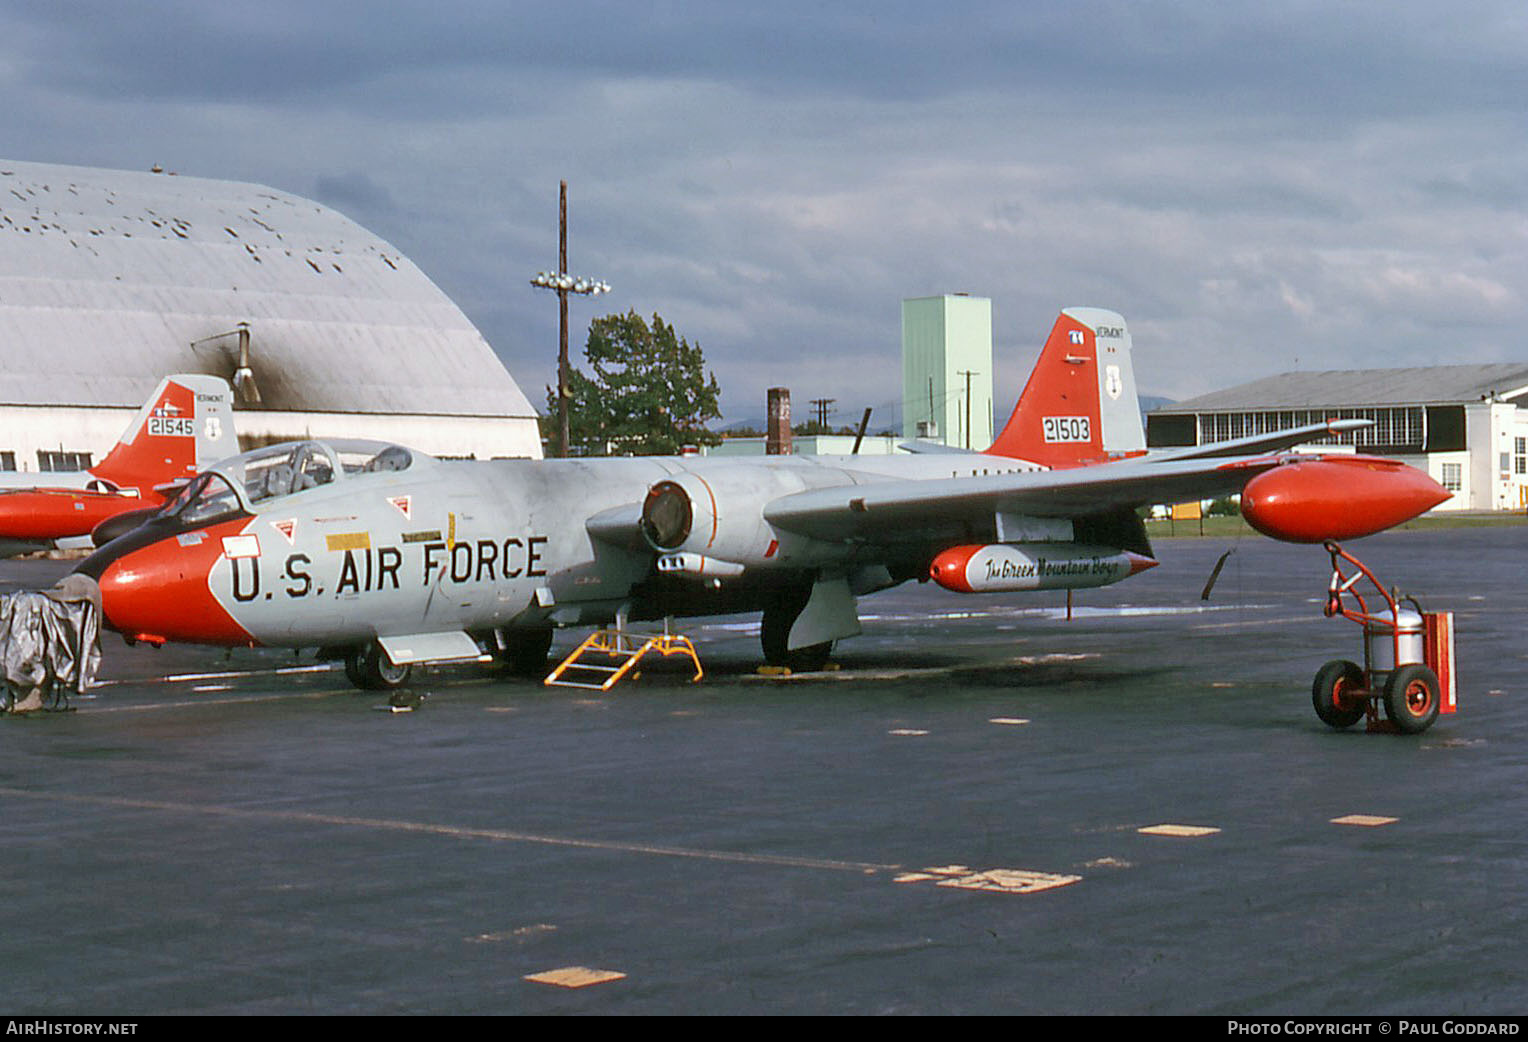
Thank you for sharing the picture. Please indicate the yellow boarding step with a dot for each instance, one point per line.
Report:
(624, 650)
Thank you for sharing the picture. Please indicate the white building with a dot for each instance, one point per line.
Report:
(947, 369)
(1465, 425)
(110, 280)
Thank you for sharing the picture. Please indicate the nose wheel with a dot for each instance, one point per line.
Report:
(369, 668)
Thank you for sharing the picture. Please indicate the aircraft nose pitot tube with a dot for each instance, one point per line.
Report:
(1337, 497)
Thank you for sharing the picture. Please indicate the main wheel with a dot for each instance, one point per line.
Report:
(1412, 696)
(775, 631)
(1331, 694)
(369, 668)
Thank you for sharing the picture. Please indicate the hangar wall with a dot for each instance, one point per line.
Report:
(1466, 426)
(110, 280)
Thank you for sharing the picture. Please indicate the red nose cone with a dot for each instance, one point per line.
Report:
(1337, 497)
(949, 568)
(161, 592)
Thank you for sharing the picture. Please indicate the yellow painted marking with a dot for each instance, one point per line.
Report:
(348, 540)
(1370, 820)
(574, 977)
(992, 880)
(1014, 720)
(1186, 831)
(1011, 881)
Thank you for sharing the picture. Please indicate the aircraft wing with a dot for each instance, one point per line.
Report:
(881, 509)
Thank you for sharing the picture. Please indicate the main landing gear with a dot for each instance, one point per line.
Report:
(369, 668)
(1408, 658)
(775, 631)
(522, 652)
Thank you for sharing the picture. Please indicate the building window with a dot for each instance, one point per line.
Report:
(1453, 476)
(7, 460)
(1520, 456)
(60, 460)
(1394, 428)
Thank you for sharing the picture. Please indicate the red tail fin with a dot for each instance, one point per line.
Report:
(1079, 406)
(185, 425)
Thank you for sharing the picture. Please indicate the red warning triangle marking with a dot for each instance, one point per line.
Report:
(404, 505)
(288, 529)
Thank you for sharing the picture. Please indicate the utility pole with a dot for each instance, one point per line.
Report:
(968, 373)
(822, 410)
(562, 283)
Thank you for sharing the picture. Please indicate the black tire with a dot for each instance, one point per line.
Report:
(774, 634)
(369, 668)
(1334, 681)
(1412, 697)
(524, 653)
(355, 670)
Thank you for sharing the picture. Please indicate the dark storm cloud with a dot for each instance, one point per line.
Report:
(1307, 55)
(1252, 184)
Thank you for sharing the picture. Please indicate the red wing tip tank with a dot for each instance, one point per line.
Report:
(1337, 497)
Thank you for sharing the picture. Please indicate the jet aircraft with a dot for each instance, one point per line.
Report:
(185, 426)
(387, 557)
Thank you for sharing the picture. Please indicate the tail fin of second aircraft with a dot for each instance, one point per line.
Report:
(1079, 406)
(186, 424)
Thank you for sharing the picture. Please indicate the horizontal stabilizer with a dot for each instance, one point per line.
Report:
(934, 448)
(1255, 443)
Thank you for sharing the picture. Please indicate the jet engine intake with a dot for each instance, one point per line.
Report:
(717, 516)
(668, 514)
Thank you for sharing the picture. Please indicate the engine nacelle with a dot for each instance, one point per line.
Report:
(999, 567)
(719, 515)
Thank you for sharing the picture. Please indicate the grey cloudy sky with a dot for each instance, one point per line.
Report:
(1257, 186)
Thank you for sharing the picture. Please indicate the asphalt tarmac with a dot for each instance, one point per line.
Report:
(950, 823)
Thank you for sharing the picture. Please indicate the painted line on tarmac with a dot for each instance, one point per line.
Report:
(198, 703)
(451, 831)
(181, 678)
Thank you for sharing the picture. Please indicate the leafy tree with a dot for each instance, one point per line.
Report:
(647, 392)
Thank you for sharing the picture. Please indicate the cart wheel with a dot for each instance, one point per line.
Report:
(1412, 697)
(1332, 693)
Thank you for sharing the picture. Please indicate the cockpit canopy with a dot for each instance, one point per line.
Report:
(254, 480)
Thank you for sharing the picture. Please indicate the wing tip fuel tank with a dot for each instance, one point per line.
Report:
(1337, 497)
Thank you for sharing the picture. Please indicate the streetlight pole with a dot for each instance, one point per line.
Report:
(562, 283)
